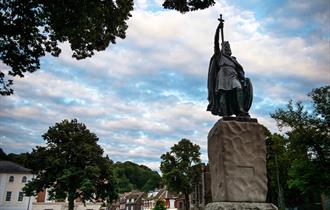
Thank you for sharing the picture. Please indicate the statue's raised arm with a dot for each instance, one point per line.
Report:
(229, 92)
(216, 40)
(216, 36)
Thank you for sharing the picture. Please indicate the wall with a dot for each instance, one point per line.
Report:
(15, 187)
(64, 206)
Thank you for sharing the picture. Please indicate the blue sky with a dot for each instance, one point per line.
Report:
(148, 91)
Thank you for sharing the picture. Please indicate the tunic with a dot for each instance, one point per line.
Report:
(227, 77)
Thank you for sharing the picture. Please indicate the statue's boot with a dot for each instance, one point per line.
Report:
(240, 102)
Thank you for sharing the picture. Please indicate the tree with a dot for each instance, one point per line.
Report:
(308, 142)
(160, 205)
(278, 165)
(181, 168)
(32, 28)
(3, 155)
(153, 182)
(71, 165)
(186, 6)
(18, 158)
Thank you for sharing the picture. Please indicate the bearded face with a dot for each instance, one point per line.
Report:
(227, 50)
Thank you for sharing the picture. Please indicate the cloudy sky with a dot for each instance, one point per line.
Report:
(147, 92)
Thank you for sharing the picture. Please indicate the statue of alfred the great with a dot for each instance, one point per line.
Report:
(229, 91)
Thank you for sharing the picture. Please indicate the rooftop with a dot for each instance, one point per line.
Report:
(11, 167)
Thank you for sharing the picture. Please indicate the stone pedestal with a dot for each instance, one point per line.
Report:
(240, 206)
(237, 158)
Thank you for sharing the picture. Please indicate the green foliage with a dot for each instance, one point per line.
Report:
(154, 181)
(181, 168)
(308, 142)
(18, 158)
(3, 155)
(30, 29)
(71, 165)
(131, 176)
(278, 165)
(186, 6)
(21, 159)
(160, 205)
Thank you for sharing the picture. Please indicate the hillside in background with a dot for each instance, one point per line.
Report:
(132, 176)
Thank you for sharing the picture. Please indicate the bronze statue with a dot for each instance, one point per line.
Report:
(229, 91)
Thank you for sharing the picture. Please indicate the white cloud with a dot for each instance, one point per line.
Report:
(111, 92)
(171, 40)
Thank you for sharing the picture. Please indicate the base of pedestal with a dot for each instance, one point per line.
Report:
(240, 206)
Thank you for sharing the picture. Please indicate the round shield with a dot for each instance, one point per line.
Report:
(247, 94)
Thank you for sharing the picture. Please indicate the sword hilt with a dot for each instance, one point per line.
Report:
(220, 18)
(221, 28)
(221, 21)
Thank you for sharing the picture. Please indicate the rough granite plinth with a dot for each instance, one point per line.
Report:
(237, 157)
(240, 206)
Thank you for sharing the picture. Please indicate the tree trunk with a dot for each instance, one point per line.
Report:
(187, 203)
(71, 200)
(280, 198)
(325, 200)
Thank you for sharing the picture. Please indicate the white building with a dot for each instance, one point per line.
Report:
(13, 178)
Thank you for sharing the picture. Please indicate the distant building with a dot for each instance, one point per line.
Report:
(133, 200)
(128, 201)
(150, 200)
(13, 178)
(122, 201)
(172, 200)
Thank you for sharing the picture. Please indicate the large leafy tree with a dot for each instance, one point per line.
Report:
(71, 165)
(308, 142)
(32, 28)
(278, 165)
(181, 168)
(187, 5)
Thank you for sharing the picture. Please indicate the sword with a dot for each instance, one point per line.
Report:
(221, 28)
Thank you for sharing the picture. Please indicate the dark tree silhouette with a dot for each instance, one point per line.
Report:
(71, 165)
(31, 28)
(308, 142)
(181, 168)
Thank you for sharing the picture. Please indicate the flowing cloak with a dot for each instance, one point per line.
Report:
(212, 97)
